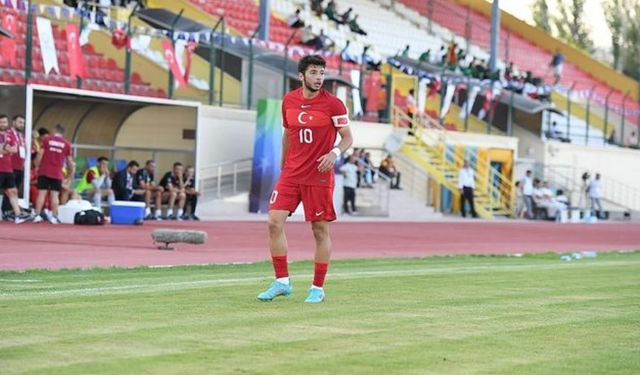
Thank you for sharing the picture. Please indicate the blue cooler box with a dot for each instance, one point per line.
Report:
(127, 213)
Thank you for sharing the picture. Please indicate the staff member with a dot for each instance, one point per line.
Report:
(17, 158)
(466, 184)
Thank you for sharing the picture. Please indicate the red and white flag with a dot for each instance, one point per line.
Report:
(191, 46)
(76, 62)
(9, 45)
(170, 56)
(47, 45)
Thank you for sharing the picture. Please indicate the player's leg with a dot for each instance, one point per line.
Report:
(318, 203)
(284, 200)
(182, 197)
(42, 196)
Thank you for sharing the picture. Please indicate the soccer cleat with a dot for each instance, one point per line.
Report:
(38, 219)
(54, 220)
(316, 295)
(276, 289)
(22, 218)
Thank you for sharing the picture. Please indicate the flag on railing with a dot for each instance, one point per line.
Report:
(448, 97)
(471, 100)
(170, 56)
(47, 45)
(8, 44)
(191, 47)
(76, 62)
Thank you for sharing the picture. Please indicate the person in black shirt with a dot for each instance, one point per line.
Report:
(145, 180)
(192, 194)
(173, 185)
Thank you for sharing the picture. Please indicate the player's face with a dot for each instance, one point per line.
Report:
(4, 124)
(313, 78)
(133, 169)
(19, 123)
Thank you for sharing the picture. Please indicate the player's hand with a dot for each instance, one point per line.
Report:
(327, 161)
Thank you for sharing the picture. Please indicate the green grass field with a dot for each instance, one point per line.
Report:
(532, 314)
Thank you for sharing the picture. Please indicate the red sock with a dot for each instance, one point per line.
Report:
(280, 266)
(319, 273)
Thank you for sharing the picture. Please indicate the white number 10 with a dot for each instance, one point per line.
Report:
(306, 135)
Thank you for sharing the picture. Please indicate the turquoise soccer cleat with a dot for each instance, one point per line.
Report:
(315, 295)
(276, 289)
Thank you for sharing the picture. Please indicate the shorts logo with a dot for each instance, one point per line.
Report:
(274, 196)
(319, 213)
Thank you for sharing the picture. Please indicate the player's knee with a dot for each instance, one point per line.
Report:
(275, 226)
(320, 233)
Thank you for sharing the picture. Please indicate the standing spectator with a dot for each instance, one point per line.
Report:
(632, 140)
(411, 109)
(145, 179)
(557, 63)
(381, 104)
(346, 16)
(50, 163)
(316, 7)
(8, 147)
(125, 184)
(350, 172)
(173, 186)
(388, 168)
(425, 56)
(192, 194)
(368, 171)
(96, 183)
(295, 20)
(595, 193)
(17, 158)
(440, 56)
(331, 12)
(527, 191)
(466, 184)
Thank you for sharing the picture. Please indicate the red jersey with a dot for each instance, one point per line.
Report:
(6, 165)
(313, 127)
(18, 157)
(55, 150)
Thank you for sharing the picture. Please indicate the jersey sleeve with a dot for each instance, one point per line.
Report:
(340, 114)
(285, 124)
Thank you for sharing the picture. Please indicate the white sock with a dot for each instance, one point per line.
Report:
(315, 287)
(283, 280)
(147, 211)
(170, 212)
(158, 213)
(180, 211)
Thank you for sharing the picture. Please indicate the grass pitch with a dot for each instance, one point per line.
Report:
(533, 314)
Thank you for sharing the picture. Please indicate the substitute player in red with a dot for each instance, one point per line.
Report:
(312, 118)
(54, 151)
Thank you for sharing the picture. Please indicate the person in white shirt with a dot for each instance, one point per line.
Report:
(544, 198)
(350, 172)
(527, 191)
(295, 20)
(595, 193)
(466, 184)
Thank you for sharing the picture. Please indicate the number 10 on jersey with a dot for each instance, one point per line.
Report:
(306, 135)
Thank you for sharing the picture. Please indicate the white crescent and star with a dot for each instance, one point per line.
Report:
(301, 117)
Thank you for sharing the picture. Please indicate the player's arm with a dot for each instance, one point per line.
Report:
(39, 158)
(285, 147)
(71, 166)
(328, 160)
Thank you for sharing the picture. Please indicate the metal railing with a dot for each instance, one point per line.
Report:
(225, 178)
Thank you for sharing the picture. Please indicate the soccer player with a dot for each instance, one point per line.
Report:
(145, 180)
(311, 118)
(53, 152)
(173, 185)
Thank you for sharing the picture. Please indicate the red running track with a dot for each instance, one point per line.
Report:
(29, 246)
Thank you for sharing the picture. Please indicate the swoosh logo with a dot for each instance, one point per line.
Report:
(319, 213)
(305, 106)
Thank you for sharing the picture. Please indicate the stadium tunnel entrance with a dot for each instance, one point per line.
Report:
(120, 127)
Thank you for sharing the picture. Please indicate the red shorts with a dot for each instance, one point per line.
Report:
(317, 200)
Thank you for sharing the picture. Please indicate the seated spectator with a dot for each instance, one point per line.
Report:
(192, 194)
(632, 140)
(325, 41)
(316, 7)
(145, 180)
(331, 12)
(125, 184)
(173, 185)
(382, 102)
(353, 25)
(440, 56)
(95, 184)
(425, 56)
(405, 51)
(543, 198)
(346, 16)
(388, 168)
(295, 20)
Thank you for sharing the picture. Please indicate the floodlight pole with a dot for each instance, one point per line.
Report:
(212, 59)
(127, 64)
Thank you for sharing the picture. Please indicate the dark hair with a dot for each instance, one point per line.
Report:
(149, 162)
(43, 131)
(309, 60)
(536, 180)
(560, 192)
(17, 117)
(60, 128)
(411, 92)
(177, 164)
(528, 170)
(133, 163)
(102, 158)
(4, 116)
